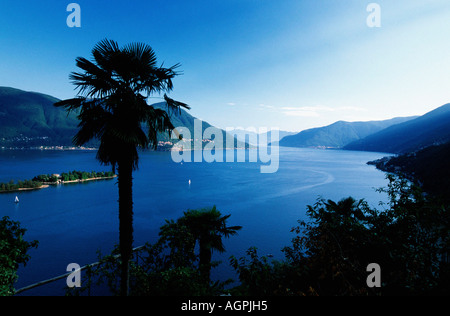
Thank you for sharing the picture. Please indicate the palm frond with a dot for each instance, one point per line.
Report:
(95, 81)
(71, 104)
(103, 53)
(112, 91)
(157, 121)
(141, 52)
(175, 106)
(94, 121)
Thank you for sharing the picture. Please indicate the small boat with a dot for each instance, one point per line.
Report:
(16, 200)
(189, 181)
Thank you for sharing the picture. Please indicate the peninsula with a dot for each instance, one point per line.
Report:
(45, 180)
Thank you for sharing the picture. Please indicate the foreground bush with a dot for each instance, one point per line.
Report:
(409, 240)
(13, 252)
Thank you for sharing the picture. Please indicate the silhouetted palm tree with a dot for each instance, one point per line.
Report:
(112, 107)
(208, 226)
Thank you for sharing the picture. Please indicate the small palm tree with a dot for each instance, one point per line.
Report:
(208, 226)
(112, 107)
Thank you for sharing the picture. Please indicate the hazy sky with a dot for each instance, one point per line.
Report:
(291, 64)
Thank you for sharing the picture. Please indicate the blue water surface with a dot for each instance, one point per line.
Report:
(73, 222)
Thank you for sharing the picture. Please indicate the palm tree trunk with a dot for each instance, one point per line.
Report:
(205, 262)
(125, 180)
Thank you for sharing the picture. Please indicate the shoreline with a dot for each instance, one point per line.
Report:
(80, 180)
(70, 148)
(49, 148)
(44, 186)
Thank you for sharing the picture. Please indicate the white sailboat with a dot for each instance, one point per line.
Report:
(16, 200)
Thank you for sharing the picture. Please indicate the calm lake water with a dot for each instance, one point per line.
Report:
(72, 222)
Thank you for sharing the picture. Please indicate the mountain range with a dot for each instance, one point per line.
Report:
(30, 119)
(252, 137)
(185, 120)
(431, 128)
(421, 145)
(339, 134)
(397, 135)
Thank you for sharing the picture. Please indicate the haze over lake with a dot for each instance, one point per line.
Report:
(72, 222)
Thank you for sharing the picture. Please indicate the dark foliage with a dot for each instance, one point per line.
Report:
(13, 252)
(173, 265)
(427, 167)
(409, 240)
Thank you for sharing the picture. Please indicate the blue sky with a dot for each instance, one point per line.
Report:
(290, 64)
